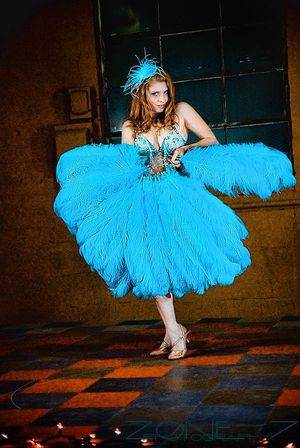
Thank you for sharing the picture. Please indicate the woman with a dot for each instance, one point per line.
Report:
(141, 212)
(153, 116)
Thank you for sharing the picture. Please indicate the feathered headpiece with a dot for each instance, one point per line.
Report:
(139, 73)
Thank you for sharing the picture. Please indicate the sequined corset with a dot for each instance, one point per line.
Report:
(151, 155)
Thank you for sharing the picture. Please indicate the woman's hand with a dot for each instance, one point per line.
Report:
(177, 154)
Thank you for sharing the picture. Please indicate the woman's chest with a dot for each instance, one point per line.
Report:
(165, 142)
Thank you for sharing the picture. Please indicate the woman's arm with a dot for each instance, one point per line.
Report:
(194, 123)
(127, 134)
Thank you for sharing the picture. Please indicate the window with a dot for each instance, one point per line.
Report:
(229, 62)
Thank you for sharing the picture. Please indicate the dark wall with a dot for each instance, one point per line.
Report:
(43, 277)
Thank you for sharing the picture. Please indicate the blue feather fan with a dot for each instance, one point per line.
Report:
(154, 233)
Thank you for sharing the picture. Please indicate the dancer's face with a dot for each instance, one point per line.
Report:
(157, 95)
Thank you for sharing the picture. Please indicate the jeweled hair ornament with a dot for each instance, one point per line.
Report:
(140, 72)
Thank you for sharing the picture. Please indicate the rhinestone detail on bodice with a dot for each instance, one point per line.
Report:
(150, 154)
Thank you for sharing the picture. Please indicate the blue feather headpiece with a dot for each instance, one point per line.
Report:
(139, 73)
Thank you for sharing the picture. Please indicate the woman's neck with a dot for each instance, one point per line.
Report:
(157, 118)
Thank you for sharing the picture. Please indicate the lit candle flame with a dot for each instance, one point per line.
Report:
(60, 425)
(117, 431)
(5, 436)
(264, 441)
(290, 445)
(92, 436)
(34, 444)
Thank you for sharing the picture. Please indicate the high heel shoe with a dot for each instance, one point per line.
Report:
(163, 349)
(178, 354)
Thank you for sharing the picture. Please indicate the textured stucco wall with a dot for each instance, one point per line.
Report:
(43, 277)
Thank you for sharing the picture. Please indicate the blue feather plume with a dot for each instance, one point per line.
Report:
(140, 72)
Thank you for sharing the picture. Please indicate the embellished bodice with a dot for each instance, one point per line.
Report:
(159, 157)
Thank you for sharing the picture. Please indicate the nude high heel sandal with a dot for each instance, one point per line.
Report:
(178, 354)
(163, 349)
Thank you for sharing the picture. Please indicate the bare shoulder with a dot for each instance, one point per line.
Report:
(127, 132)
(126, 124)
(182, 105)
(184, 108)
(193, 120)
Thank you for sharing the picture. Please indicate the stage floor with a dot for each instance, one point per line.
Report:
(239, 383)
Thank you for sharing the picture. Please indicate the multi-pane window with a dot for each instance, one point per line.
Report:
(228, 61)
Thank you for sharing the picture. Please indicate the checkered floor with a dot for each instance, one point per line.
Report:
(239, 383)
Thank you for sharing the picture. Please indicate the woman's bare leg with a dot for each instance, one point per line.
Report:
(166, 309)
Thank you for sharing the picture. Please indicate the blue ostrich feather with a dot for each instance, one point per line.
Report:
(151, 234)
(145, 69)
